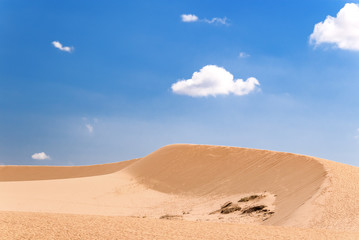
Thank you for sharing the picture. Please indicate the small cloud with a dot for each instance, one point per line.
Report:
(40, 156)
(342, 30)
(243, 55)
(89, 128)
(194, 18)
(58, 45)
(216, 20)
(212, 80)
(189, 18)
(90, 124)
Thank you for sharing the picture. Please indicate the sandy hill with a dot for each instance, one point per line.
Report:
(198, 183)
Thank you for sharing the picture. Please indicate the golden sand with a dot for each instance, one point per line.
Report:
(177, 192)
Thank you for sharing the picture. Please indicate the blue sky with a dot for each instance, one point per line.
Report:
(110, 97)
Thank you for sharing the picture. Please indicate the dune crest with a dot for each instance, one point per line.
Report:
(214, 170)
(195, 182)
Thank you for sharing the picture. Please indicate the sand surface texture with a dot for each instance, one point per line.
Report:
(194, 191)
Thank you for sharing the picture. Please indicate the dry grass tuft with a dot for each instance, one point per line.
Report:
(170, 217)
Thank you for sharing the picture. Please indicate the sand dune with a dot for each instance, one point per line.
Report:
(27, 173)
(294, 179)
(192, 182)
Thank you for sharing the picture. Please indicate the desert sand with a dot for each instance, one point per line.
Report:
(184, 191)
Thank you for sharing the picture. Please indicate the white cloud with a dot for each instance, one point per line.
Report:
(189, 18)
(89, 128)
(40, 156)
(194, 18)
(212, 80)
(58, 45)
(90, 124)
(243, 55)
(342, 30)
(216, 20)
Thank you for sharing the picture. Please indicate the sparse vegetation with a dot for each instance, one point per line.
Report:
(226, 204)
(169, 217)
(245, 206)
(230, 209)
(227, 207)
(254, 209)
(252, 197)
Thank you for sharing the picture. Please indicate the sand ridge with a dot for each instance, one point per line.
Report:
(188, 182)
(28, 173)
(293, 178)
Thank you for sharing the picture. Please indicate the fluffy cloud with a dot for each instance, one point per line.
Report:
(212, 80)
(58, 45)
(194, 18)
(40, 156)
(189, 18)
(342, 30)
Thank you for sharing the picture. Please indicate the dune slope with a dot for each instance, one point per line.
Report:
(190, 182)
(214, 170)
